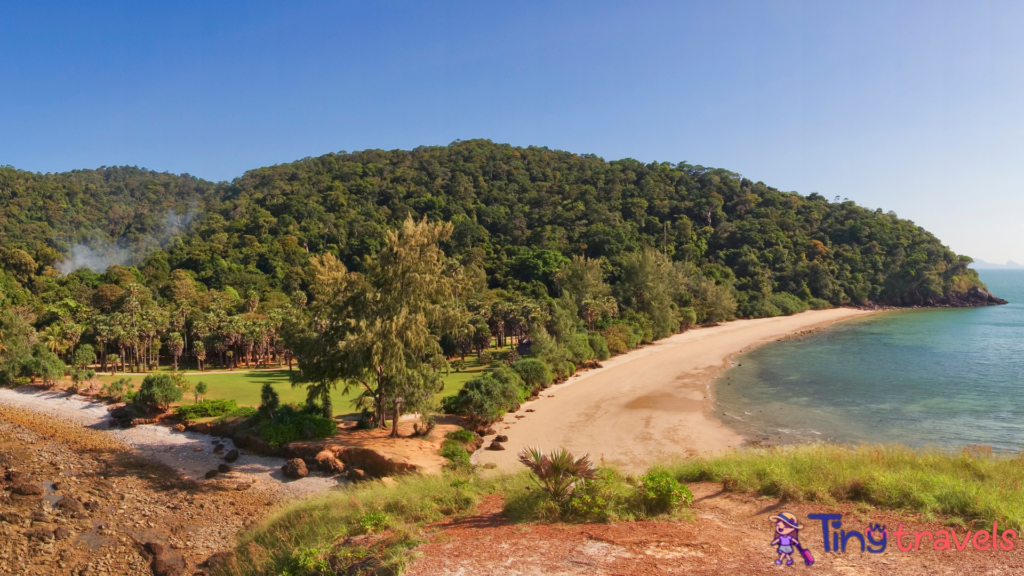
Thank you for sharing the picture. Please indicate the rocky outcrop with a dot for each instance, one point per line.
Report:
(329, 463)
(373, 463)
(165, 561)
(972, 298)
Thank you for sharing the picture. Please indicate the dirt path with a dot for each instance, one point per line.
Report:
(730, 534)
(649, 404)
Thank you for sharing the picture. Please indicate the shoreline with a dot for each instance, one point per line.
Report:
(634, 414)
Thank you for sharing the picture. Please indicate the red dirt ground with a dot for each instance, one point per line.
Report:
(730, 535)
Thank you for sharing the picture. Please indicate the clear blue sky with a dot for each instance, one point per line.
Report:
(915, 107)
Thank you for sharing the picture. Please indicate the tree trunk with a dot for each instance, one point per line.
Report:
(394, 419)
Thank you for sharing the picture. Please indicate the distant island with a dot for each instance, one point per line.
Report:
(1010, 265)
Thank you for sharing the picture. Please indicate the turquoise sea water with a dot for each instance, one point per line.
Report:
(939, 377)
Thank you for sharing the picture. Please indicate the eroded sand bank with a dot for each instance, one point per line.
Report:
(650, 404)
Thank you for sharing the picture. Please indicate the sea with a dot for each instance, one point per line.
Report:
(944, 377)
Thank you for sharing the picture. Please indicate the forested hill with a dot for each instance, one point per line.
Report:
(517, 214)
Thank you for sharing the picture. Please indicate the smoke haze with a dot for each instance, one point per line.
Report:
(98, 256)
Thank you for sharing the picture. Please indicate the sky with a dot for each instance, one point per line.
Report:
(913, 107)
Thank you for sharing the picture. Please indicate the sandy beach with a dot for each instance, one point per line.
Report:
(650, 404)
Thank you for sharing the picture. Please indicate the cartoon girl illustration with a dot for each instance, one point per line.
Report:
(787, 534)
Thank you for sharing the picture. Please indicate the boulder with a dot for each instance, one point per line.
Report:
(17, 476)
(496, 446)
(327, 462)
(28, 489)
(223, 468)
(212, 474)
(231, 456)
(179, 427)
(41, 533)
(70, 505)
(295, 468)
(165, 561)
(373, 463)
(355, 475)
(62, 533)
(218, 561)
(501, 438)
(218, 449)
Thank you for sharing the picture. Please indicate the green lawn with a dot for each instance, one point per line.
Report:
(244, 387)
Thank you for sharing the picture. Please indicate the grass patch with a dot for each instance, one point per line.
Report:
(319, 533)
(970, 486)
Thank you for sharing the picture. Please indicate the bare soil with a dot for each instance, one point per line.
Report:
(729, 534)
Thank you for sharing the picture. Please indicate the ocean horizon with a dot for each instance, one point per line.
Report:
(940, 377)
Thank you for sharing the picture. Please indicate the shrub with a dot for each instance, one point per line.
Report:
(620, 337)
(459, 365)
(486, 358)
(365, 421)
(200, 391)
(687, 319)
(818, 304)
(559, 472)
(374, 522)
(269, 400)
(485, 398)
(598, 345)
(578, 346)
(456, 454)
(642, 325)
(661, 493)
(289, 426)
(461, 435)
(534, 373)
(788, 303)
(90, 374)
(46, 366)
(159, 391)
(84, 355)
(240, 412)
(206, 409)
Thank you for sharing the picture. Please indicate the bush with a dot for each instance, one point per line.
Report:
(84, 355)
(459, 365)
(818, 304)
(158, 391)
(200, 391)
(788, 303)
(206, 409)
(461, 435)
(118, 389)
(485, 398)
(620, 337)
(534, 373)
(687, 319)
(661, 493)
(456, 454)
(240, 412)
(598, 345)
(269, 400)
(578, 346)
(289, 426)
(642, 325)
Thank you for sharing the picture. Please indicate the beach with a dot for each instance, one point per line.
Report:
(650, 404)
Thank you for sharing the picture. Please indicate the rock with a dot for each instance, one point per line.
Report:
(295, 468)
(218, 560)
(70, 505)
(41, 533)
(327, 462)
(212, 474)
(373, 463)
(121, 413)
(496, 446)
(355, 475)
(16, 476)
(91, 505)
(115, 423)
(243, 486)
(231, 456)
(165, 562)
(501, 438)
(530, 410)
(223, 468)
(490, 466)
(487, 432)
(62, 533)
(197, 449)
(12, 517)
(27, 489)
(179, 427)
(218, 449)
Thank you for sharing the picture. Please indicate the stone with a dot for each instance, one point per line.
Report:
(355, 475)
(17, 476)
(69, 504)
(327, 462)
(487, 432)
(223, 468)
(373, 463)
(218, 561)
(295, 468)
(62, 533)
(501, 438)
(212, 474)
(28, 489)
(231, 456)
(218, 449)
(496, 446)
(179, 427)
(41, 533)
(165, 562)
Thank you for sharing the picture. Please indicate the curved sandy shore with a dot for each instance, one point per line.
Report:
(650, 404)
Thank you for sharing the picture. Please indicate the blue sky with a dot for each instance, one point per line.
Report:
(910, 106)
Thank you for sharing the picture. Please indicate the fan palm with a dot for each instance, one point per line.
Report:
(559, 472)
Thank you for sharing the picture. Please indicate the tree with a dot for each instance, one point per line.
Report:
(646, 284)
(175, 345)
(199, 349)
(158, 391)
(380, 329)
(200, 391)
(269, 400)
(84, 356)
